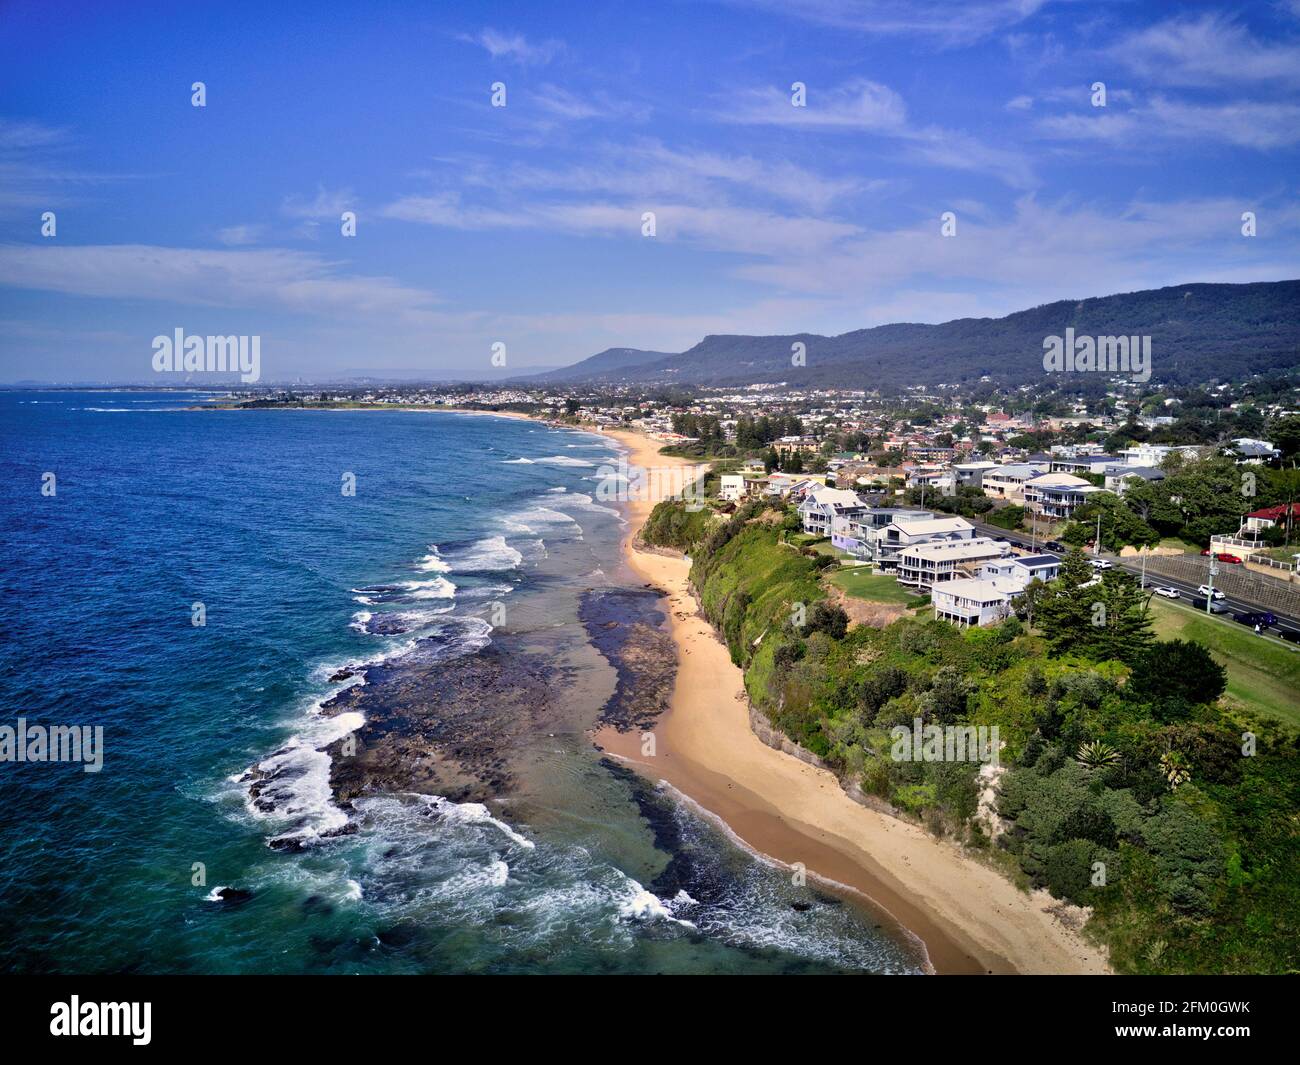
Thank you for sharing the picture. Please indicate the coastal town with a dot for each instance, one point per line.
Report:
(966, 496)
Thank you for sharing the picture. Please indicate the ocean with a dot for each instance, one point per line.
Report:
(348, 732)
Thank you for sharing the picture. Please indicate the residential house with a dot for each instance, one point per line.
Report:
(971, 474)
(1248, 452)
(936, 561)
(1056, 496)
(821, 506)
(1117, 477)
(1008, 482)
(902, 533)
(1021, 570)
(857, 533)
(973, 600)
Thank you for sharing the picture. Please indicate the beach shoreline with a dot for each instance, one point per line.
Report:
(969, 917)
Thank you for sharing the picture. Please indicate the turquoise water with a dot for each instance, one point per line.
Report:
(585, 868)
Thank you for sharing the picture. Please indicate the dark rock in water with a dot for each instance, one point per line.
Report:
(626, 625)
(314, 904)
(232, 895)
(398, 936)
(802, 907)
(447, 726)
(342, 675)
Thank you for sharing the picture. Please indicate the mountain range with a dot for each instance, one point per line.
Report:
(1199, 333)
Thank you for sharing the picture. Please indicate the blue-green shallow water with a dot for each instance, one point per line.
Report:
(157, 507)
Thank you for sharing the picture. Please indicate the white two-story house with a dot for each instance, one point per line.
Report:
(903, 533)
(936, 561)
(822, 505)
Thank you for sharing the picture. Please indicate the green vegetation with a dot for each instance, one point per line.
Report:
(1008, 517)
(671, 524)
(1125, 783)
(1263, 673)
(861, 583)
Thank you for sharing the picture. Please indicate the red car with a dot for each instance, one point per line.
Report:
(1222, 556)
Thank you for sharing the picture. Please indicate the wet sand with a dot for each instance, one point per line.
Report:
(970, 918)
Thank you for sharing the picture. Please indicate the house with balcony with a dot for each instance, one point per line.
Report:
(903, 533)
(1019, 571)
(1008, 482)
(971, 474)
(973, 601)
(1056, 496)
(1080, 465)
(857, 534)
(937, 561)
(819, 507)
(1119, 477)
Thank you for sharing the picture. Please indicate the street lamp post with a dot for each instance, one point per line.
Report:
(1209, 595)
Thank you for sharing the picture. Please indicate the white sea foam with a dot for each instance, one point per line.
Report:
(486, 556)
(586, 502)
(438, 588)
(473, 813)
(294, 782)
(565, 460)
(517, 462)
(645, 906)
(432, 562)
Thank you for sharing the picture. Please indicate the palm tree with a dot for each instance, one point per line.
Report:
(1096, 755)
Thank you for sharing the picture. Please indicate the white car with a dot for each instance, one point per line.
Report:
(1204, 589)
(1101, 563)
(1168, 593)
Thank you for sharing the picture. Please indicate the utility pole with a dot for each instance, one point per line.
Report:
(1209, 596)
(1144, 567)
(1096, 544)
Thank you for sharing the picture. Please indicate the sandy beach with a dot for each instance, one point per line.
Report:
(970, 918)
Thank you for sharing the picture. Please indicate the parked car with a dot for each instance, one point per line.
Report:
(1204, 590)
(1055, 545)
(1221, 556)
(1168, 593)
(1263, 619)
(1215, 608)
(1102, 563)
(1290, 635)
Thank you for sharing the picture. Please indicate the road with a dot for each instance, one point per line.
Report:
(1187, 590)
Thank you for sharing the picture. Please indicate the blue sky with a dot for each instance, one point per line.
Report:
(523, 224)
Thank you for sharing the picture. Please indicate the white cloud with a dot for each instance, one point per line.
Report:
(940, 20)
(516, 47)
(324, 205)
(264, 278)
(235, 236)
(859, 104)
(1209, 50)
(1244, 123)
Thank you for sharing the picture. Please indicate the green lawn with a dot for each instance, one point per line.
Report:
(861, 583)
(1263, 672)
